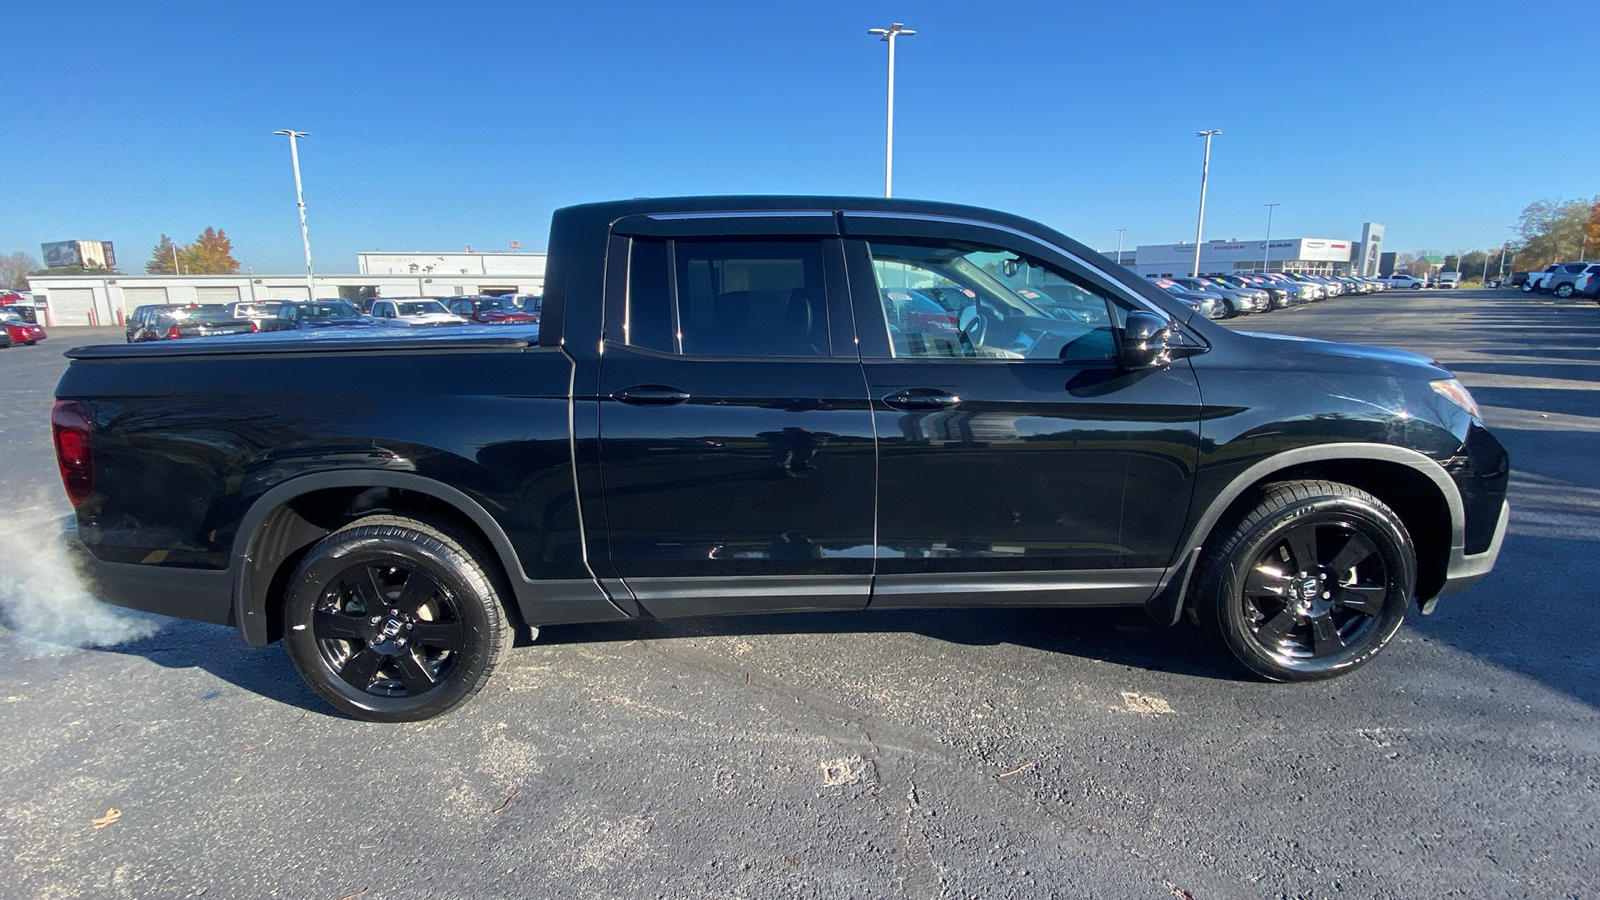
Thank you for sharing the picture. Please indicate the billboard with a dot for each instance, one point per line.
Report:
(61, 254)
(88, 254)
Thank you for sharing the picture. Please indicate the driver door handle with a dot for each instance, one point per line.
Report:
(922, 398)
(651, 395)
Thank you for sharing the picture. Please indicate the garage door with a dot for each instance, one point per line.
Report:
(217, 294)
(70, 306)
(132, 297)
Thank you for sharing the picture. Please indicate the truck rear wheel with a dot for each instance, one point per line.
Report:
(395, 619)
(1310, 583)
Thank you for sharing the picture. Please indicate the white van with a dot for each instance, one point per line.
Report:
(1449, 279)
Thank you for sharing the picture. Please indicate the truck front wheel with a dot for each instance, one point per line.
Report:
(1310, 583)
(395, 619)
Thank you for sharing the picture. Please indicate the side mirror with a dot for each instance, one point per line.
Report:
(1144, 341)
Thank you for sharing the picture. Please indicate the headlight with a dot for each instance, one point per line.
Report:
(1456, 393)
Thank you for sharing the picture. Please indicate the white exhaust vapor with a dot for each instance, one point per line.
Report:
(41, 599)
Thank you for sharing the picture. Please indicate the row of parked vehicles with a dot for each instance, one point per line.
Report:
(18, 322)
(177, 321)
(1229, 296)
(1570, 279)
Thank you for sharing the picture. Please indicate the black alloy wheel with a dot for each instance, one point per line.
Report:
(1310, 583)
(395, 619)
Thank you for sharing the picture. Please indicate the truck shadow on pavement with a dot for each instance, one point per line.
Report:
(1125, 637)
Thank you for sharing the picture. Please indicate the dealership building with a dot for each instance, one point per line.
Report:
(1314, 256)
(107, 299)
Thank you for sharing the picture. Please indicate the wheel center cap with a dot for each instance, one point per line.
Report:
(389, 629)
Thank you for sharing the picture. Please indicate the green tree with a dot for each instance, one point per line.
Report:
(15, 268)
(1554, 231)
(163, 258)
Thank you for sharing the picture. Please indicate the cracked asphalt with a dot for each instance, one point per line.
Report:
(1015, 753)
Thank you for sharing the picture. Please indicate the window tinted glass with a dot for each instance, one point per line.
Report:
(989, 304)
(751, 298)
(648, 322)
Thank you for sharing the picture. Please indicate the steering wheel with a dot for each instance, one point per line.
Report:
(973, 324)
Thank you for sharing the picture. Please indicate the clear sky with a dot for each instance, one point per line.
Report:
(440, 125)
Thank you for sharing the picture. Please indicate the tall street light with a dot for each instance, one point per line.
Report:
(1205, 167)
(1266, 261)
(300, 197)
(1119, 245)
(888, 36)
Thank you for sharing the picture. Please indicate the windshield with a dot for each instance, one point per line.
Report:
(421, 308)
(327, 309)
(208, 312)
(495, 304)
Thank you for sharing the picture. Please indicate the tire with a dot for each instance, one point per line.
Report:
(441, 627)
(1527, 287)
(1564, 290)
(1309, 584)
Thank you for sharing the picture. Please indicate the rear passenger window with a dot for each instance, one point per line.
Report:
(727, 297)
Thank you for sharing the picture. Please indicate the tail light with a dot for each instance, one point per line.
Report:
(172, 333)
(254, 327)
(74, 432)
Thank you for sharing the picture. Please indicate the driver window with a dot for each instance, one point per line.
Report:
(961, 301)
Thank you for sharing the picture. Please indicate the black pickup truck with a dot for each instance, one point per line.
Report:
(755, 404)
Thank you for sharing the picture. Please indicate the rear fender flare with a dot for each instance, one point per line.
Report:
(250, 595)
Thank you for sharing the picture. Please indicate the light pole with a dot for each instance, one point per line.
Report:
(1199, 225)
(1266, 260)
(888, 36)
(1501, 273)
(1119, 245)
(300, 197)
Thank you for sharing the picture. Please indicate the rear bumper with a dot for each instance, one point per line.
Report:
(203, 595)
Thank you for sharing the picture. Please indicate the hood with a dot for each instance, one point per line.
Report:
(1355, 352)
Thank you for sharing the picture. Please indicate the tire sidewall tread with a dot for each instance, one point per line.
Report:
(1226, 559)
(449, 554)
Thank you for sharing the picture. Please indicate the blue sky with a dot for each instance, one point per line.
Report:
(437, 126)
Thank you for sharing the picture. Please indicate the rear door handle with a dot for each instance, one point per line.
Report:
(922, 398)
(650, 395)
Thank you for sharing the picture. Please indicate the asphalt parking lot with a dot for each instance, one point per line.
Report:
(1018, 753)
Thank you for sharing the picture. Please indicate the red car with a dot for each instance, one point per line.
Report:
(21, 330)
(490, 311)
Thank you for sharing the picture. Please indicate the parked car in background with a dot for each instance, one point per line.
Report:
(140, 324)
(490, 311)
(1283, 296)
(1537, 281)
(20, 330)
(1563, 281)
(1449, 280)
(199, 320)
(1212, 306)
(1405, 280)
(293, 315)
(412, 311)
(5, 339)
(1518, 279)
(1238, 301)
(21, 303)
(255, 309)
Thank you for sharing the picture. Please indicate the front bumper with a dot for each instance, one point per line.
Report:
(203, 595)
(1467, 569)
